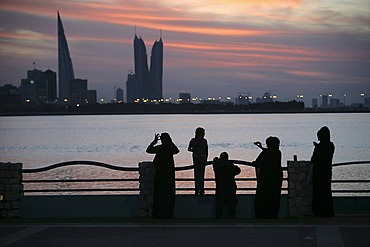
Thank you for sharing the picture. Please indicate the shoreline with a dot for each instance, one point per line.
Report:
(72, 113)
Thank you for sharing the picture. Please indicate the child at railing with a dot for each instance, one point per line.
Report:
(225, 172)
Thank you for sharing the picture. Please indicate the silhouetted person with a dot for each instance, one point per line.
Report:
(225, 172)
(199, 147)
(322, 200)
(269, 179)
(164, 178)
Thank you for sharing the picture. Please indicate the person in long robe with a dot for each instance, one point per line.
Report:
(164, 177)
(269, 180)
(225, 198)
(322, 157)
(199, 147)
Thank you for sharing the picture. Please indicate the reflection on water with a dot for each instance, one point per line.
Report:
(81, 172)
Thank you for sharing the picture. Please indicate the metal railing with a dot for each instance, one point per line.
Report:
(136, 170)
(79, 162)
(357, 181)
(118, 168)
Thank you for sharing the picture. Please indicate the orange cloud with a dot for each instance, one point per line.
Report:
(130, 15)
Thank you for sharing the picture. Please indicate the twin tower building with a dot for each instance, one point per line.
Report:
(145, 85)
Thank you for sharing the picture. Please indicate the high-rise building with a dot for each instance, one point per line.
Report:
(78, 91)
(146, 84)
(324, 100)
(65, 67)
(119, 95)
(39, 87)
(156, 70)
(71, 89)
(131, 86)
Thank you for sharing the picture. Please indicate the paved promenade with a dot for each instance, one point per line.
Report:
(331, 232)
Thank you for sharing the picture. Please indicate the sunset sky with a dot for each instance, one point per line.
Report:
(212, 48)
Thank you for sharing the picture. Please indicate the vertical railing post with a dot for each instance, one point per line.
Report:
(10, 189)
(146, 185)
(299, 187)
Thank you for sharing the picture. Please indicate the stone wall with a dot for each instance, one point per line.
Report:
(146, 181)
(10, 189)
(299, 188)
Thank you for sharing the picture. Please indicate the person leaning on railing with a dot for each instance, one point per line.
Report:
(199, 147)
(225, 198)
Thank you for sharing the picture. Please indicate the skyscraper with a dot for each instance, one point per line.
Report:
(156, 69)
(146, 84)
(141, 68)
(65, 67)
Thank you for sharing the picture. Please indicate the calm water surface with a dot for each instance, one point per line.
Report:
(121, 140)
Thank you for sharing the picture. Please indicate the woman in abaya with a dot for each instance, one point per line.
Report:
(164, 177)
(269, 180)
(322, 200)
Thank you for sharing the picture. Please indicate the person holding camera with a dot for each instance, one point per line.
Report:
(164, 176)
(269, 179)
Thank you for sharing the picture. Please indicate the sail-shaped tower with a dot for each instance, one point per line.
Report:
(65, 67)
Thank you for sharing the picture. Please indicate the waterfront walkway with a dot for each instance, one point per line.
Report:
(343, 231)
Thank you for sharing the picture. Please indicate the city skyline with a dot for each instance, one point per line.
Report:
(213, 48)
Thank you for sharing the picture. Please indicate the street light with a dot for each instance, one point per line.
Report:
(344, 99)
(363, 99)
(299, 97)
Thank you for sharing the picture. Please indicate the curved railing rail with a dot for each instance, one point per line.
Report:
(119, 168)
(351, 163)
(80, 162)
